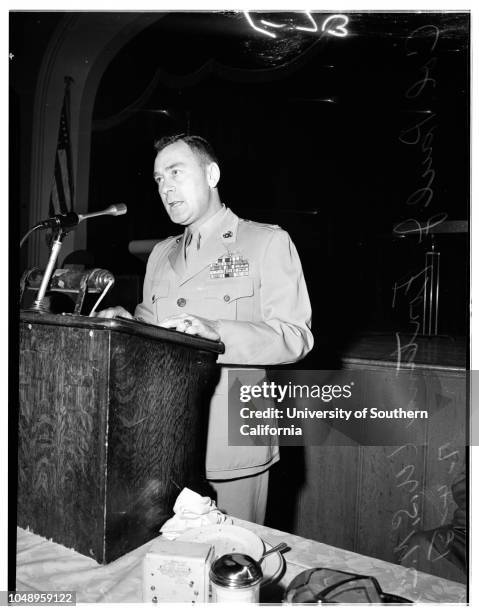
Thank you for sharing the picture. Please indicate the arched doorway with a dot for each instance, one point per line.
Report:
(81, 47)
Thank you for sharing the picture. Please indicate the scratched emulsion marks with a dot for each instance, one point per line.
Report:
(431, 217)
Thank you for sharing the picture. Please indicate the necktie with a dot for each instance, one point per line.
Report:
(192, 245)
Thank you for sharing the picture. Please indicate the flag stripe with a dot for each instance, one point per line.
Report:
(64, 178)
(61, 197)
(59, 189)
(55, 200)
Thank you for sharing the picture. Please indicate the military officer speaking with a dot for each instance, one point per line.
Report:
(225, 279)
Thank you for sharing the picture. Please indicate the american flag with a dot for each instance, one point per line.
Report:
(61, 197)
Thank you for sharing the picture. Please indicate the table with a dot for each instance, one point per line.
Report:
(45, 565)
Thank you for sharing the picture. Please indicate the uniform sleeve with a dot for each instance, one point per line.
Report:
(284, 334)
(144, 310)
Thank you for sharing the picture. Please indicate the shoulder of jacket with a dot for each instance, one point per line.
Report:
(256, 226)
(165, 243)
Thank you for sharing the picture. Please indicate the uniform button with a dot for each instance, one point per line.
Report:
(226, 298)
(181, 302)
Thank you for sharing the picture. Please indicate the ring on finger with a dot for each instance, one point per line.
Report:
(187, 323)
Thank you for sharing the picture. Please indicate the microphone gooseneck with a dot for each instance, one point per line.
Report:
(70, 220)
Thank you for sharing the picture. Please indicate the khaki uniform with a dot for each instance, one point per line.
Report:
(263, 311)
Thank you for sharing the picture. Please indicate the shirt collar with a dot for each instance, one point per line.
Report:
(209, 226)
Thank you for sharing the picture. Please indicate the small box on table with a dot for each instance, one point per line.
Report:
(177, 572)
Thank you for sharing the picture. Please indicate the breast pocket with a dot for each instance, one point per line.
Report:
(160, 296)
(231, 298)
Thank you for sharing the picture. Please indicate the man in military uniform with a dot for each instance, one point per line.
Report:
(225, 279)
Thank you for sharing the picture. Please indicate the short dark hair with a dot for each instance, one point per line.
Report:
(198, 144)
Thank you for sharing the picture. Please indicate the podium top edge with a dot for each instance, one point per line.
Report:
(121, 325)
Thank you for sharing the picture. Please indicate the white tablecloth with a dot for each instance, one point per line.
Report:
(43, 565)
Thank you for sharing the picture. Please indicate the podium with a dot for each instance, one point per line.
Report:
(112, 425)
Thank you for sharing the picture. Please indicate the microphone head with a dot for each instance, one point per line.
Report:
(117, 209)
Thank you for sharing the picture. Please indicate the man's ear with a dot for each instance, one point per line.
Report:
(213, 174)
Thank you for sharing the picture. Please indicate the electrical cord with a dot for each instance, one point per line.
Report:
(30, 231)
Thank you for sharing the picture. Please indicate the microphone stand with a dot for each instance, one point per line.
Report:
(62, 224)
(39, 304)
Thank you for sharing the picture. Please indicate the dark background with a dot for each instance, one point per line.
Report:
(307, 127)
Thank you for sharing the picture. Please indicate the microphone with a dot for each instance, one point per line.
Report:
(72, 219)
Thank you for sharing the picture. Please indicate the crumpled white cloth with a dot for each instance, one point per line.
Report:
(192, 510)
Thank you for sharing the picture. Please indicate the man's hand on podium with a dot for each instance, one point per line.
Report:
(190, 324)
(116, 311)
(186, 323)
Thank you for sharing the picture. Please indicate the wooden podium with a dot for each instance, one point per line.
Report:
(112, 425)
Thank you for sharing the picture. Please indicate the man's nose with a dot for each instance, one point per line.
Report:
(166, 188)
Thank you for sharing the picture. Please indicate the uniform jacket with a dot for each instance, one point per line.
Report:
(264, 315)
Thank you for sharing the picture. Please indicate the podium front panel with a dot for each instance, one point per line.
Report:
(112, 426)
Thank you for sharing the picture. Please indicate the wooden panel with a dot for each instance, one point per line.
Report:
(445, 460)
(391, 475)
(436, 352)
(61, 440)
(157, 436)
(446, 445)
(327, 504)
(111, 426)
(371, 499)
(390, 506)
